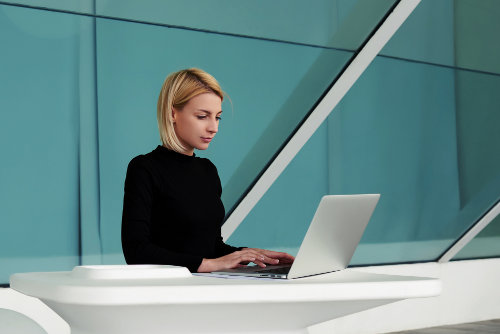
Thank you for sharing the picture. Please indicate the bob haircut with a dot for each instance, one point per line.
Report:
(178, 88)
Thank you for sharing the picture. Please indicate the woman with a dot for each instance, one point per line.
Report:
(172, 210)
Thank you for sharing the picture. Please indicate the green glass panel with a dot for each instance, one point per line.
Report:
(485, 244)
(341, 24)
(39, 140)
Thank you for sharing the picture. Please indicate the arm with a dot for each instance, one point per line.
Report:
(233, 257)
(221, 248)
(138, 246)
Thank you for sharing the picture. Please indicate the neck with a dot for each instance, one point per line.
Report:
(189, 153)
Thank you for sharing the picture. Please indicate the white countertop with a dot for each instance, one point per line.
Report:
(66, 287)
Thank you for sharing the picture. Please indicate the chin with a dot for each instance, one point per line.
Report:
(202, 148)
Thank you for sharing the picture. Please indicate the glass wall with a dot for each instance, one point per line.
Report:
(486, 244)
(262, 88)
(421, 130)
(39, 139)
(478, 27)
(79, 87)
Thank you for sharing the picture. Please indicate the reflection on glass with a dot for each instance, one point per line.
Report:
(423, 136)
(400, 131)
(425, 36)
(76, 6)
(485, 244)
(343, 24)
(39, 126)
(272, 85)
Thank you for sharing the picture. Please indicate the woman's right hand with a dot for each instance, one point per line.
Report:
(235, 260)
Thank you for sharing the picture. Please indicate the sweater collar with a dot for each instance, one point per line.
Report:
(173, 154)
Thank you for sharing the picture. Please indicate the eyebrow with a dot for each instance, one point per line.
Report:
(208, 111)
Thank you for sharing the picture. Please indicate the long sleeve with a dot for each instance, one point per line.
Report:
(221, 248)
(137, 240)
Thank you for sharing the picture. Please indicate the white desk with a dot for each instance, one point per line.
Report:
(197, 304)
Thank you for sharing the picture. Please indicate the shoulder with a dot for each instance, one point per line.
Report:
(143, 164)
(139, 162)
(144, 161)
(140, 174)
(208, 165)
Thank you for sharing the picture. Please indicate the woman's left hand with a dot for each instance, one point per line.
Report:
(272, 257)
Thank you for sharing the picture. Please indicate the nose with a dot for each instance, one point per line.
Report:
(213, 126)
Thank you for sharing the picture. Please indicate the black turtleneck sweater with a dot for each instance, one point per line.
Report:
(172, 210)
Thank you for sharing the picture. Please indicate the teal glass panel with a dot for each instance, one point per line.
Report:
(425, 35)
(39, 140)
(271, 85)
(486, 244)
(423, 170)
(280, 219)
(77, 6)
(341, 24)
(379, 142)
(389, 135)
(422, 135)
(84, 141)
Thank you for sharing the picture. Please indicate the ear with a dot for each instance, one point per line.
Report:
(174, 114)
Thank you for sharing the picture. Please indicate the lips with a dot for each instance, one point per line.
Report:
(206, 139)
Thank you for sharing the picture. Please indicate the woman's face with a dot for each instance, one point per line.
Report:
(197, 123)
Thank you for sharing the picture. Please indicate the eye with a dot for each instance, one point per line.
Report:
(201, 116)
(218, 118)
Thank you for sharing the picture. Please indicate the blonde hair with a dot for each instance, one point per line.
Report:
(178, 88)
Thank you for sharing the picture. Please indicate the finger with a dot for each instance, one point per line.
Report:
(260, 263)
(237, 265)
(270, 256)
(271, 260)
(281, 255)
(246, 258)
(276, 254)
(256, 255)
(286, 256)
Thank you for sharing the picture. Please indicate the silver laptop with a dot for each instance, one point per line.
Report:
(330, 241)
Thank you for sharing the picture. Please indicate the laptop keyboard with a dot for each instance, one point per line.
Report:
(282, 270)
